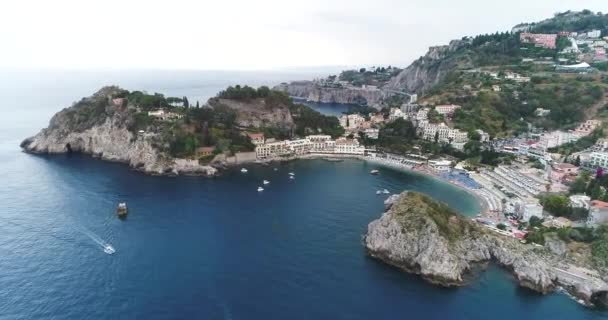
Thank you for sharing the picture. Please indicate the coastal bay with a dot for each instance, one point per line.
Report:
(189, 250)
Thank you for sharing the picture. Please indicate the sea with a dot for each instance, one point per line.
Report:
(212, 248)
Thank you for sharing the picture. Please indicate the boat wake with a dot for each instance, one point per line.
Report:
(105, 246)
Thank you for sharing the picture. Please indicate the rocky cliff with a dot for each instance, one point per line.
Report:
(311, 91)
(425, 237)
(256, 113)
(430, 69)
(97, 127)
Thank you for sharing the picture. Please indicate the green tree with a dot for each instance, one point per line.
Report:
(557, 205)
(501, 226)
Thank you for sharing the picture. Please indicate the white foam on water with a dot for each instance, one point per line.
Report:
(105, 246)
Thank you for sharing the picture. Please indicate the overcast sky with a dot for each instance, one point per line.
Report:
(248, 34)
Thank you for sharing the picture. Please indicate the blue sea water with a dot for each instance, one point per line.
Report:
(198, 248)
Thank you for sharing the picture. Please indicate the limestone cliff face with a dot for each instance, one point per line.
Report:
(430, 69)
(95, 127)
(311, 91)
(425, 237)
(256, 113)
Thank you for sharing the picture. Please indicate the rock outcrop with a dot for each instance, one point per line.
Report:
(311, 91)
(94, 126)
(256, 113)
(430, 69)
(422, 236)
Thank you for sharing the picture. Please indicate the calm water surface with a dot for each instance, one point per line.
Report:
(197, 248)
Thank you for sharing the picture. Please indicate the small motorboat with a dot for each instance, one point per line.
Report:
(385, 191)
(292, 174)
(374, 172)
(260, 189)
(378, 192)
(292, 177)
(108, 249)
(122, 209)
(265, 182)
(243, 170)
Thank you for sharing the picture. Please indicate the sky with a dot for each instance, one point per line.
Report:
(249, 34)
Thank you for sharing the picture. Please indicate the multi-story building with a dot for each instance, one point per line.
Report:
(594, 33)
(532, 209)
(440, 165)
(396, 113)
(598, 159)
(585, 128)
(351, 121)
(372, 133)
(539, 39)
(321, 143)
(443, 133)
(446, 109)
(483, 136)
(271, 149)
(299, 146)
(376, 118)
(348, 146)
(257, 138)
(422, 114)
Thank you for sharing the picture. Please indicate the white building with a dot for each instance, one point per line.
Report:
(540, 112)
(440, 165)
(532, 210)
(446, 109)
(599, 159)
(483, 136)
(351, 121)
(443, 133)
(164, 115)
(396, 113)
(299, 146)
(594, 33)
(348, 146)
(271, 149)
(580, 201)
(372, 133)
(422, 114)
(321, 143)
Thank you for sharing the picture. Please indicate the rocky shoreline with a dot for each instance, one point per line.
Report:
(424, 237)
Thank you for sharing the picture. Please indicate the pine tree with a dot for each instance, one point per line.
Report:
(186, 103)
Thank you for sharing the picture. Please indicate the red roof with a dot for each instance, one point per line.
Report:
(255, 135)
(599, 204)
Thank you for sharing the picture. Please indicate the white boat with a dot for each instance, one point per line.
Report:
(292, 177)
(244, 170)
(266, 182)
(374, 171)
(260, 189)
(292, 174)
(385, 191)
(378, 192)
(108, 249)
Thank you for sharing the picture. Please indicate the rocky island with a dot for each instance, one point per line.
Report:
(425, 237)
(166, 136)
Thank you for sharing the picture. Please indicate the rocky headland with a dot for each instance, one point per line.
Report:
(425, 237)
(314, 92)
(102, 125)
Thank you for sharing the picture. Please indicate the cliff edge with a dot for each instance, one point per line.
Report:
(425, 237)
(102, 125)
